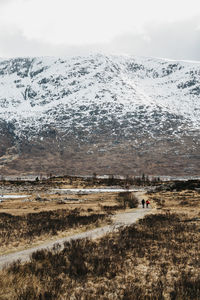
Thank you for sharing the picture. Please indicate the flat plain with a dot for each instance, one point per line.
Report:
(156, 258)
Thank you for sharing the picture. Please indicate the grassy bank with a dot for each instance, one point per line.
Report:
(156, 259)
(56, 218)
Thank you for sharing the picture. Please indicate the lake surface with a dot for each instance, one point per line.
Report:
(94, 191)
(13, 196)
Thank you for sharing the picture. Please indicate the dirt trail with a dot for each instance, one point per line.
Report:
(119, 220)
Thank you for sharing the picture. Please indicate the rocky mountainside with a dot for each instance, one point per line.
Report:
(103, 114)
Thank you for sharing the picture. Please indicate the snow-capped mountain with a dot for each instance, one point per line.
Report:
(108, 114)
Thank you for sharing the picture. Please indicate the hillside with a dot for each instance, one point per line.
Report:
(104, 114)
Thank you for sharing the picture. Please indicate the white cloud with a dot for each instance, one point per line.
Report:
(90, 21)
(178, 40)
(53, 27)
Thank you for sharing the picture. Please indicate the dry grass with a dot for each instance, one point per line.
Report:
(186, 202)
(25, 222)
(18, 232)
(141, 262)
(50, 202)
(158, 258)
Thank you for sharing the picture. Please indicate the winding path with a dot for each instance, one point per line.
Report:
(119, 220)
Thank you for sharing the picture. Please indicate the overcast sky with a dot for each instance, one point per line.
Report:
(161, 28)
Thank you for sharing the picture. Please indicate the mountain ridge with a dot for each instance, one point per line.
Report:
(87, 114)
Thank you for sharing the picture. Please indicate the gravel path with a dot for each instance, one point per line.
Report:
(119, 220)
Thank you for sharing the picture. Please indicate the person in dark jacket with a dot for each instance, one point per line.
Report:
(143, 202)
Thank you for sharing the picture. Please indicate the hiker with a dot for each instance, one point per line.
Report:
(143, 202)
(147, 203)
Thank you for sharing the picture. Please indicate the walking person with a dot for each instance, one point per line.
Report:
(143, 202)
(147, 203)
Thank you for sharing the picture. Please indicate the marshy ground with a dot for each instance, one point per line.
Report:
(156, 258)
(44, 212)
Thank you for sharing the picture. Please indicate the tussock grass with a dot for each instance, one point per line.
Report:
(16, 230)
(43, 220)
(158, 258)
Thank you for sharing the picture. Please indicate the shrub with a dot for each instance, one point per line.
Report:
(128, 199)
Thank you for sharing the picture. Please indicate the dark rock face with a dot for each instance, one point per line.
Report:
(103, 114)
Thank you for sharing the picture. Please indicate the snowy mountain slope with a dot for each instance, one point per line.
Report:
(99, 105)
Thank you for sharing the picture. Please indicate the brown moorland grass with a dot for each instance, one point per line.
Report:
(157, 258)
(16, 231)
(51, 202)
(24, 224)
